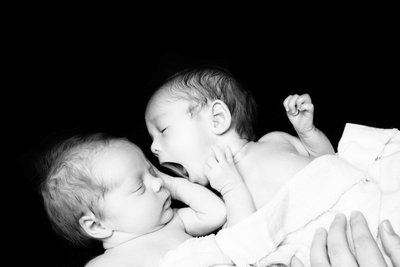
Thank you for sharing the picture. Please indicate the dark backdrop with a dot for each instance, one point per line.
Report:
(92, 83)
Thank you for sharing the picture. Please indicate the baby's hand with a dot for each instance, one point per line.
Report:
(170, 183)
(300, 112)
(221, 171)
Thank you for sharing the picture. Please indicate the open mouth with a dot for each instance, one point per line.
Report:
(176, 168)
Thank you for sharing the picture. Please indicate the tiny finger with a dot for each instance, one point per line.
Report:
(219, 155)
(286, 102)
(211, 162)
(304, 99)
(306, 106)
(228, 155)
(292, 104)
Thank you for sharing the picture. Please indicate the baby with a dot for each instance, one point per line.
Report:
(200, 109)
(103, 188)
(297, 183)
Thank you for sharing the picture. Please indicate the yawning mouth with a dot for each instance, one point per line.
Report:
(176, 168)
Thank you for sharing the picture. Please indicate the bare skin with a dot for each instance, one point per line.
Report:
(139, 226)
(268, 164)
(145, 251)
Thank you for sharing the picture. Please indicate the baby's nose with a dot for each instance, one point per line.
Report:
(155, 147)
(156, 184)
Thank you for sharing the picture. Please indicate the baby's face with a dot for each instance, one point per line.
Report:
(181, 142)
(136, 202)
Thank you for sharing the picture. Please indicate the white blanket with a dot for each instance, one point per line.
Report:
(364, 175)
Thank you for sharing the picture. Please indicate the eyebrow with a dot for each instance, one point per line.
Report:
(154, 119)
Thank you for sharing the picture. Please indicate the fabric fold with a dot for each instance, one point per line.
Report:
(285, 226)
(364, 175)
(361, 145)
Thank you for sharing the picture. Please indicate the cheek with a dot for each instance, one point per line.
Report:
(194, 130)
(192, 140)
(142, 216)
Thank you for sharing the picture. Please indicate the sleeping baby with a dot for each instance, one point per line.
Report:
(97, 187)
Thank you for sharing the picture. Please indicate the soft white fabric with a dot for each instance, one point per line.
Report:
(364, 146)
(364, 176)
(195, 252)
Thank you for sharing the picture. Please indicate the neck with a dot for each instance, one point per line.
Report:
(234, 142)
(118, 238)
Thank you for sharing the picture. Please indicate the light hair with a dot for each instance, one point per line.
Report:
(202, 84)
(69, 188)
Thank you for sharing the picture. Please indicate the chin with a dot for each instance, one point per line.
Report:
(168, 215)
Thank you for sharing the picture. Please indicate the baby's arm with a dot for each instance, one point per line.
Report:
(205, 213)
(300, 112)
(225, 178)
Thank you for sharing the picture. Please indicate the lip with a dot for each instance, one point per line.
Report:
(167, 202)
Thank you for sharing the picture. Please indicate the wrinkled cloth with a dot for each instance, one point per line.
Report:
(364, 175)
(196, 252)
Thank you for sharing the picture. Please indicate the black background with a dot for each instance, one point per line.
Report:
(93, 77)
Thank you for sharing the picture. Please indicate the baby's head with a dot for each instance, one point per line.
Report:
(97, 187)
(190, 110)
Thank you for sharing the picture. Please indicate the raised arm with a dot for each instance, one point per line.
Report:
(300, 112)
(205, 212)
(226, 179)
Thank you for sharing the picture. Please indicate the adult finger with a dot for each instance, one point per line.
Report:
(338, 248)
(319, 253)
(390, 242)
(366, 248)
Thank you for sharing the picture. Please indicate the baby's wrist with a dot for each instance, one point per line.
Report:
(307, 131)
(174, 185)
(232, 188)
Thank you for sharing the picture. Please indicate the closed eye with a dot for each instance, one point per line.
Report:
(152, 171)
(139, 190)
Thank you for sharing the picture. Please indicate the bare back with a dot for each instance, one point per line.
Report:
(268, 164)
(146, 251)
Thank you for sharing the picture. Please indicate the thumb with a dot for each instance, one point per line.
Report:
(390, 242)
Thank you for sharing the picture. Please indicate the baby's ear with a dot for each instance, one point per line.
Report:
(94, 227)
(221, 117)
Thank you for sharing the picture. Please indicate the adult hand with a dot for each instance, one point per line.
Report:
(332, 250)
(390, 242)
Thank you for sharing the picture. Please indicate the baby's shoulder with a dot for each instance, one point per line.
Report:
(284, 142)
(100, 261)
(113, 259)
(275, 136)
